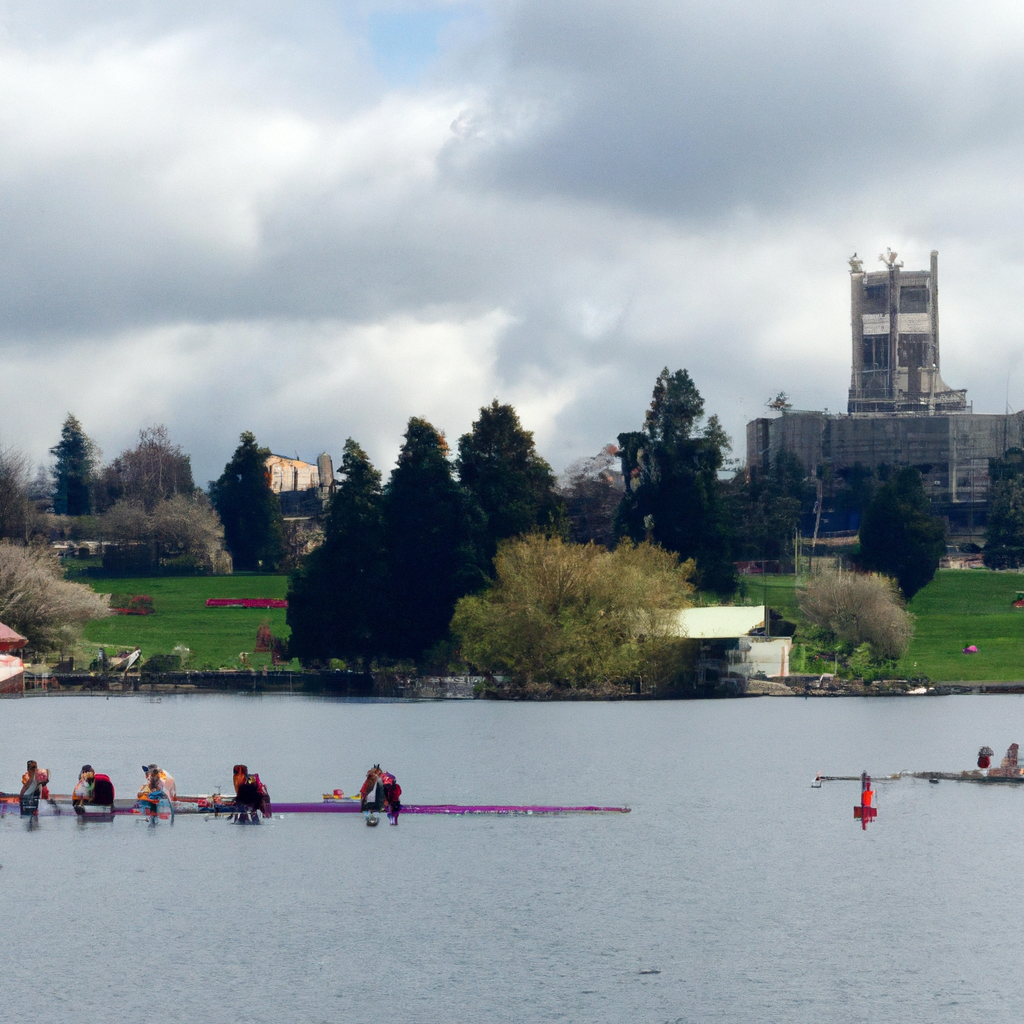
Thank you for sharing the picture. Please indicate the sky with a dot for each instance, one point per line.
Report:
(314, 220)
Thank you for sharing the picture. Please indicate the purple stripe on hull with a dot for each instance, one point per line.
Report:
(351, 807)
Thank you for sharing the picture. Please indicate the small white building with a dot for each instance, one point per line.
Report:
(733, 644)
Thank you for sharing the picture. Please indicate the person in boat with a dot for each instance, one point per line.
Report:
(33, 786)
(158, 786)
(371, 794)
(85, 789)
(252, 797)
(392, 796)
(154, 773)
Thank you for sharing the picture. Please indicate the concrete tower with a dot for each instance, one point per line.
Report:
(895, 328)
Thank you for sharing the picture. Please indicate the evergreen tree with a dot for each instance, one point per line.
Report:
(768, 506)
(76, 457)
(671, 472)
(336, 598)
(435, 533)
(498, 463)
(248, 508)
(898, 537)
(1004, 539)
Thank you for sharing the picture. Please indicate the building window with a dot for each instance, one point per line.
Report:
(876, 352)
(875, 298)
(914, 299)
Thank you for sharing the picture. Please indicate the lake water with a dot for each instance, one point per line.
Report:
(753, 896)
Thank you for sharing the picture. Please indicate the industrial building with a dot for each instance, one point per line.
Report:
(900, 412)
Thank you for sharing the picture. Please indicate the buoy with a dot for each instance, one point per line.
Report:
(984, 757)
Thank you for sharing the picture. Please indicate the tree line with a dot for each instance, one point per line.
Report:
(398, 558)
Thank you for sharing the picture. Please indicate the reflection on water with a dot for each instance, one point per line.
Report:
(733, 892)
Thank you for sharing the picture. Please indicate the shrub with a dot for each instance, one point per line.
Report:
(857, 609)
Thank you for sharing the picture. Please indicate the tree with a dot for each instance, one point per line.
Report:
(768, 506)
(36, 600)
(253, 530)
(435, 535)
(592, 491)
(858, 609)
(155, 469)
(15, 511)
(76, 457)
(673, 495)
(898, 537)
(574, 615)
(1004, 541)
(499, 465)
(180, 533)
(337, 596)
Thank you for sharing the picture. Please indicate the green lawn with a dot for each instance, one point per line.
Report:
(216, 636)
(778, 592)
(958, 608)
(962, 607)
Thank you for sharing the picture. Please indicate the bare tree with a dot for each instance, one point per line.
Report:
(153, 470)
(179, 526)
(192, 527)
(39, 603)
(592, 489)
(859, 609)
(15, 511)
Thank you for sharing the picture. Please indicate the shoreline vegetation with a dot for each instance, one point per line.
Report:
(959, 608)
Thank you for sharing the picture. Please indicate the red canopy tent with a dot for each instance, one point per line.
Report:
(12, 671)
(9, 640)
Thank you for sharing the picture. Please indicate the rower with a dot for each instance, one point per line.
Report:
(392, 796)
(163, 781)
(33, 785)
(371, 795)
(158, 786)
(85, 789)
(251, 795)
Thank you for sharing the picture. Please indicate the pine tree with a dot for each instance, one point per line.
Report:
(336, 598)
(434, 533)
(671, 472)
(253, 530)
(498, 463)
(76, 457)
(898, 537)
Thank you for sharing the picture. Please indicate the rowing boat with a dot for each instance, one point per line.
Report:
(213, 806)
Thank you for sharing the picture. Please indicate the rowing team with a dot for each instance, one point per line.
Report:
(251, 795)
(380, 791)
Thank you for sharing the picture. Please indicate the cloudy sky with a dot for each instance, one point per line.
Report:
(313, 220)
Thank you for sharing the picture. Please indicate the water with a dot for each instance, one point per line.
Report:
(754, 897)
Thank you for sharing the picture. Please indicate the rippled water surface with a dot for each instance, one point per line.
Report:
(732, 892)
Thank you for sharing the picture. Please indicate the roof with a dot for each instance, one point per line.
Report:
(719, 623)
(9, 640)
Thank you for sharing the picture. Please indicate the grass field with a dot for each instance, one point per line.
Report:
(215, 636)
(962, 607)
(958, 608)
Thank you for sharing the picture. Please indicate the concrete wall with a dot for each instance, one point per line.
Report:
(951, 451)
